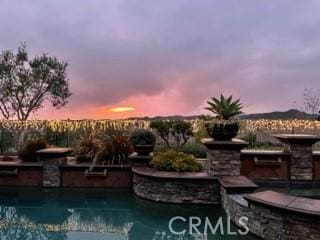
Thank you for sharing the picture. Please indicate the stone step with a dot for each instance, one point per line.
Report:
(237, 184)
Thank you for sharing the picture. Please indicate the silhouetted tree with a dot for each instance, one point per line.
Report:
(25, 84)
(311, 100)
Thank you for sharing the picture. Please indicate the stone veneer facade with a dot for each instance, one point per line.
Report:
(301, 162)
(51, 175)
(270, 222)
(224, 157)
(300, 147)
(175, 190)
(233, 208)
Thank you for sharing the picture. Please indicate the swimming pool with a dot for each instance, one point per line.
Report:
(96, 214)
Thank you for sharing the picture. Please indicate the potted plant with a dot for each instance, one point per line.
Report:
(225, 126)
(143, 141)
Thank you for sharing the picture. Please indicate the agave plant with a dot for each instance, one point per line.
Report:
(225, 107)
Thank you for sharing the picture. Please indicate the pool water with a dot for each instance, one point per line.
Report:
(97, 214)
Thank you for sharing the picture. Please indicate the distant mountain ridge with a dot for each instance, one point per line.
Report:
(173, 117)
(276, 115)
(290, 114)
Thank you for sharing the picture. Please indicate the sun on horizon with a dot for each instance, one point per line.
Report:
(122, 109)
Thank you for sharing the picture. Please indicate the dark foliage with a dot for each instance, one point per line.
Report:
(141, 136)
(28, 151)
(180, 131)
(25, 84)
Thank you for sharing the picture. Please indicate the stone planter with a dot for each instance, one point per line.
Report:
(173, 187)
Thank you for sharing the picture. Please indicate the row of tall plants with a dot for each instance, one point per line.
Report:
(66, 133)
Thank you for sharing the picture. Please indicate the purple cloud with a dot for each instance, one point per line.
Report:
(264, 52)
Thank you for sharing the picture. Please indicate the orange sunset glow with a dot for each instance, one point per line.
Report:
(122, 109)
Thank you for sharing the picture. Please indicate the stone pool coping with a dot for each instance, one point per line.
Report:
(55, 150)
(254, 152)
(316, 153)
(297, 138)
(285, 202)
(86, 166)
(66, 165)
(264, 152)
(239, 184)
(151, 172)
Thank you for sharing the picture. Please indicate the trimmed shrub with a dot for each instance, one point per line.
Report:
(196, 149)
(28, 151)
(142, 136)
(174, 161)
(178, 130)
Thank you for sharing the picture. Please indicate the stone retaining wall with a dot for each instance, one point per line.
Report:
(272, 222)
(176, 190)
(234, 206)
(265, 167)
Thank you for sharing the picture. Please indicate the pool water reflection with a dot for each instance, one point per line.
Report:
(95, 214)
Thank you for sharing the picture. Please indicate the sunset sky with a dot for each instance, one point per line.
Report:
(167, 57)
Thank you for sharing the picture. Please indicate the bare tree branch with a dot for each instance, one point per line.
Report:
(311, 100)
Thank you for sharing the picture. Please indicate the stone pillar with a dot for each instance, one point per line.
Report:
(51, 175)
(224, 157)
(301, 161)
(52, 158)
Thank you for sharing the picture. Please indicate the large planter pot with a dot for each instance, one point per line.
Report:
(143, 150)
(223, 131)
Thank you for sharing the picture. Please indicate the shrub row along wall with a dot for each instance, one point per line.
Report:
(69, 176)
(175, 187)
